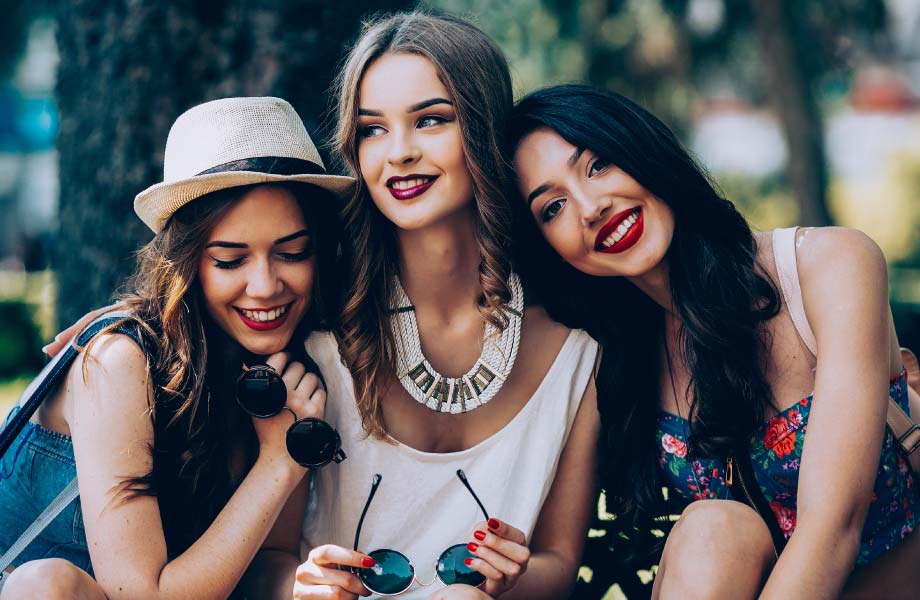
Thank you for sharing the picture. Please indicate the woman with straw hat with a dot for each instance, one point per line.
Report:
(180, 486)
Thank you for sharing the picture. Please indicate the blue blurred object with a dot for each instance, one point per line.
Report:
(37, 123)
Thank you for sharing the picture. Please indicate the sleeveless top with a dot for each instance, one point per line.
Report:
(421, 507)
(776, 448)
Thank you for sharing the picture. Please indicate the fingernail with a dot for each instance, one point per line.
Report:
(467, 561)
(494, 524)
(45, 349)
(479, 535)
(472, 546)
(367, 562)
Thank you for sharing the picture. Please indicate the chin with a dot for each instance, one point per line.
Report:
(265, 347)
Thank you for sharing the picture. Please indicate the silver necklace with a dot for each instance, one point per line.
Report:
(480, 384)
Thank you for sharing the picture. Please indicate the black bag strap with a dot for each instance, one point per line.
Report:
(743, 483)
(54, 371)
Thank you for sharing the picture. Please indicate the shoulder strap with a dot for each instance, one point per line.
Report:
(788, 274)
(52, 374)
(905, 431)
(67, 495)
(49, 379)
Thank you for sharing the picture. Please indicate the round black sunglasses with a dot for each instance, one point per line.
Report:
(311, 442)
(394, 573)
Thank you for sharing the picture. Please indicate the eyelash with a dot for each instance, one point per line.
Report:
(545, 217)
(601, 167)
(370, 130)
(303, 255)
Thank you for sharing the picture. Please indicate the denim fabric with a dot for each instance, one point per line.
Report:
(35, 469)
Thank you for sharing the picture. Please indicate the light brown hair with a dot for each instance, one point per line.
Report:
(475, 73)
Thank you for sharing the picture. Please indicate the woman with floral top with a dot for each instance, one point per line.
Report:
(624, 235)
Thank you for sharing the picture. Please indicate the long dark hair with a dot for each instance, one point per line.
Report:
(193, 363)
(720, 295)
(476, 75)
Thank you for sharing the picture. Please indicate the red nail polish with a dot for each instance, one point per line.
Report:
(368, 562)
(479, 535)
(472, 546)
(494, 524)
(467, 561)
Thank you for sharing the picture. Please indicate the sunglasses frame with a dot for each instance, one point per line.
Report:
(332, 451)
(359, 571)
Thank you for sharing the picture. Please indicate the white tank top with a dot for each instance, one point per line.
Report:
(421, 507)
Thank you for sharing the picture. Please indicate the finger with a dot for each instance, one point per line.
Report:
(64, 337)
(508, 567)
(330, 554)
(293, 373)
(516, 552)
(322, 592)
(309, 384)
(505, 530)
(277, 361)
(486, 569)
(343, 580)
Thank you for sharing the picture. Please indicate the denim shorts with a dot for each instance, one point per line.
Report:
(33, 471)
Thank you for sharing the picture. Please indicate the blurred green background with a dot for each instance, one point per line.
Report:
(805, 112)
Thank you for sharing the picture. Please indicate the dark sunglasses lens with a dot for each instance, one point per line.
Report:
(261, 392)
(452, 569)
(392, 574)
(312, 443)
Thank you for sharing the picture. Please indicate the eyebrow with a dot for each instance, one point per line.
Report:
(544, 187)
(281, 240)
(372, 112)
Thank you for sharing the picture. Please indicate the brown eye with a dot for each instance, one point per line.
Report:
(551, 209)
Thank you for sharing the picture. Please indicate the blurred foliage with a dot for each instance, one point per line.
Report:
(20, 340)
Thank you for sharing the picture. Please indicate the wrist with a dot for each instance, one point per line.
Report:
(281, 469)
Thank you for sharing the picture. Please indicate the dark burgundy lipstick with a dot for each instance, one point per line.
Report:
(423, 182)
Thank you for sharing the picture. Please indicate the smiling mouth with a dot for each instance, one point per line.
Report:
(403, 188)
(264, 319)
(621, 232)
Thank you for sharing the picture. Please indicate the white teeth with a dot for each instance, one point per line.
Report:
(405, 184)
(621, 231)
(264, 315)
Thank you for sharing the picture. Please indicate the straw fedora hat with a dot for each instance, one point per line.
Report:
(232, 142)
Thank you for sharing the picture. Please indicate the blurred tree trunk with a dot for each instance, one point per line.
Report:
(128, 69)
(790, 89)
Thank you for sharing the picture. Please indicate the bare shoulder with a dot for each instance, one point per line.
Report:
(839, 256)
(111, 367)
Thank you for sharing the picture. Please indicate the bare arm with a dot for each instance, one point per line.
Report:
(112, 432)
(559, 537)
(845, 290)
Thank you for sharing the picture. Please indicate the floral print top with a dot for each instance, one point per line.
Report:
(775, 453)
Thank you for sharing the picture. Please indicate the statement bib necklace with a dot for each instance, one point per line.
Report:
(480, 384)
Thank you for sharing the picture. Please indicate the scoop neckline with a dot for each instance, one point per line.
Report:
(450, 456)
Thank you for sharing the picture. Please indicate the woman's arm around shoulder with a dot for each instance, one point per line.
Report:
(110, 397)
(844, 284)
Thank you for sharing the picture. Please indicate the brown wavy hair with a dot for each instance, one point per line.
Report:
(476, 76)
(193, 363)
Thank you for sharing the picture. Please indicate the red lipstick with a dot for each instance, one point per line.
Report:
(412, 192)
(628, 240)
(264, 325)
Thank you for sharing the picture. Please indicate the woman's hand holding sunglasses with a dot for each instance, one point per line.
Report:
(500, 553)
(305, 397)
(320, 576)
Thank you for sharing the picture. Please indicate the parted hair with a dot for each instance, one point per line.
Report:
(193, 363)
(476, 76)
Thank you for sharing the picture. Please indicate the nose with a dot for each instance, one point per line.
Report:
(594, 209)
(263, 282)
(403, 150)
